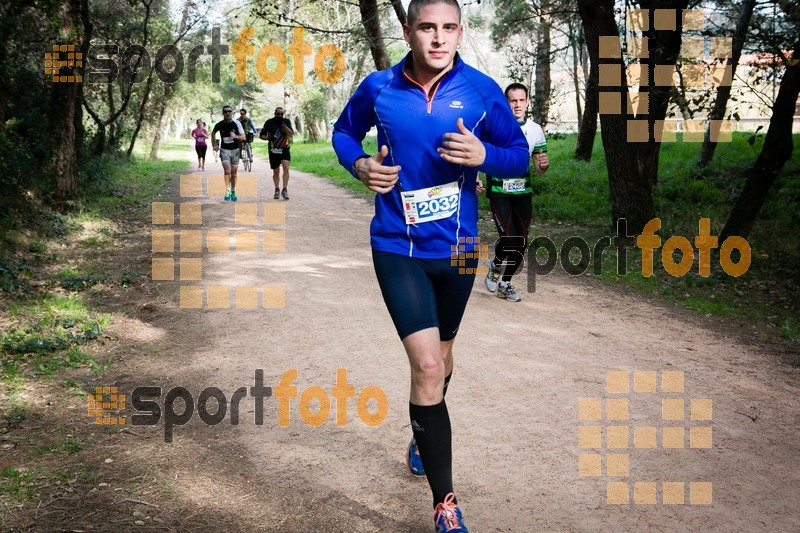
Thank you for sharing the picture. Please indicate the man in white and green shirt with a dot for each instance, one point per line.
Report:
(510, 200)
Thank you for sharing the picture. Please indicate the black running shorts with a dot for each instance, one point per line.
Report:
(423, 293)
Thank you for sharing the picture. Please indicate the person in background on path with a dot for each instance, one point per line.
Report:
(200, 134)
(232, 135)
(278, 131)
(510, 200)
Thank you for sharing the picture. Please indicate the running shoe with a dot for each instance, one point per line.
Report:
(233, 196)
(413, 460)
(277, 194)
(506, 290)
(447, 517)
(492, 278)
(285, 194)
(227, 196)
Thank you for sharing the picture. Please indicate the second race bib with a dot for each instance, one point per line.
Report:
(514, 185)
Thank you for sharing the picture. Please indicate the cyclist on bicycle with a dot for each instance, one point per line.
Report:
(249, 126)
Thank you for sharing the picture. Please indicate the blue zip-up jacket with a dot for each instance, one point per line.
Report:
(412, 126)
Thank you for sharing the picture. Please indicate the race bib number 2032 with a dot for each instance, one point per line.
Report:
(426, 205)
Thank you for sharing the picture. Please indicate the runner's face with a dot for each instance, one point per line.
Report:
(518, 102)
(227, 114)
(433, 38)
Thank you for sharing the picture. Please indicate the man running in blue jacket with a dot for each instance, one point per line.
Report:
(439, 122)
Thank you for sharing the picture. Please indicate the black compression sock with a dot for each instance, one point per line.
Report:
(431, 427)
(446, 383)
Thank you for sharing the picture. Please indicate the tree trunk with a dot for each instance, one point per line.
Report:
(399, 11)
(573, 41)
(724, 91)
(372, 26)
(541, 98)
(777, 150)
(65, 99)
(632, 165)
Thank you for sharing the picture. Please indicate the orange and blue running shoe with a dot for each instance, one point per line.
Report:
(413, 460)
(447, 517)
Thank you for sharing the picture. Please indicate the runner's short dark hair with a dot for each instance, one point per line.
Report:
(416, 6)
(516, 87)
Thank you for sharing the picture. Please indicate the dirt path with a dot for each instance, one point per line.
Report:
(521, 370)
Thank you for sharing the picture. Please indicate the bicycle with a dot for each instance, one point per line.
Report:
(246, 153)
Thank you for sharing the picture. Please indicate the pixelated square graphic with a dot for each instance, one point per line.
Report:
(218, 296)
(215, 185)
(700, 493)
(672, 437)
(246, 241)
(693, 75)
(638, 47)
(275, 214)
(694, 131)
(664, 75)
(637, 75)
(163, 213)
(617, 381)
(721, 47)
(274, 241)
(98, 403)
(191, 185)
(589, 465)
(672, 381)
(617, 409)
(700, 437)
(644, 437)
(665, 19)
(617, 437)
(218, 241)
(274, 297)
(610, 47)
(590, 437)
(721, 75)
(589, 409)
(721, 131)
(191, 213)
(191, 269)
(694, 19)
(191, 241)
(638, 103)
(191, 297)
(672, 409)
(672, 493)
(700, 409)
(617, 493)
(163, 269)
(246, 214)
(63, 56)
(246, 185)
(644, 381)
(637, 20)
(610, 103)
(638, 131)
(693, 47)
(617, 465)
(666, 131)
(610, 75)
(246, 297)
(163, 241)
(645, 493)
